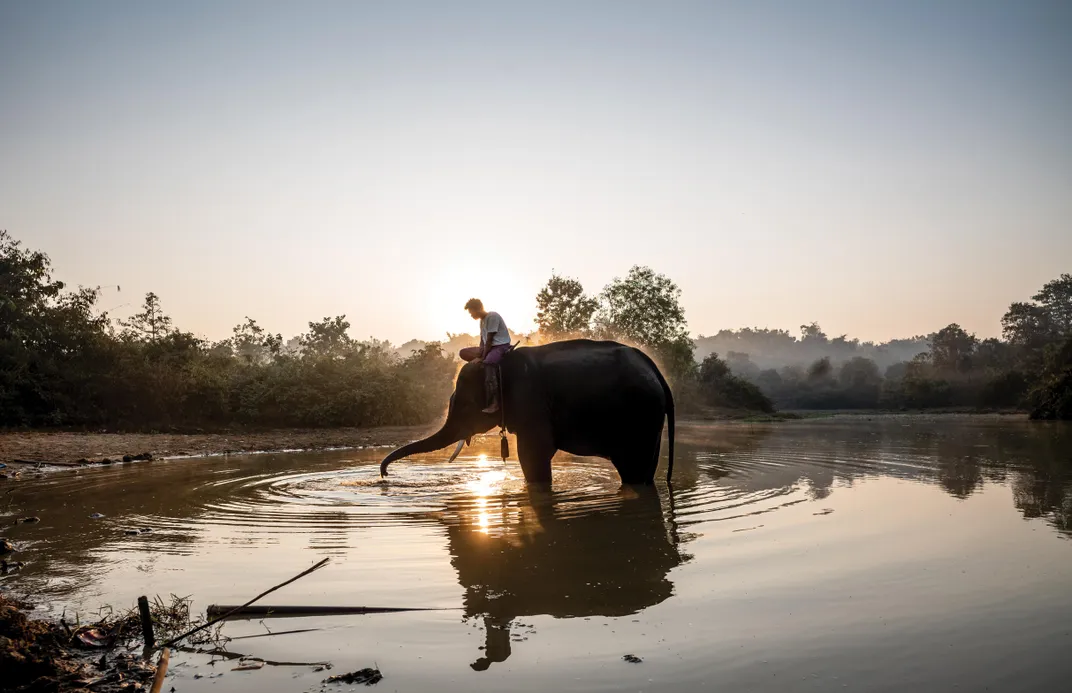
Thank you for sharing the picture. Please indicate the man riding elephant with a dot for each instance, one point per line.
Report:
(494, 342)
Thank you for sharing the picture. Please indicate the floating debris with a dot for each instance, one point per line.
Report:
(96, 516)
(6, 567)
(249, 665)
(632, 659)
(93, 637)
(29, 520)
(366, 676)
(6, 547)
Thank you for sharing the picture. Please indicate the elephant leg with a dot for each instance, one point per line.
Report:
(535, 453)
(633, 469)
(637, 463)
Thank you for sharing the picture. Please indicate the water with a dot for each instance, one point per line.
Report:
(900, 553)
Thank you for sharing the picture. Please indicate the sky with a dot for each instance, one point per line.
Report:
(883, 168)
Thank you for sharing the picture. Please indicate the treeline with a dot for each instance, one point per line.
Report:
(771, 348)
(64, 363)
(1029, 368)
(644, 309)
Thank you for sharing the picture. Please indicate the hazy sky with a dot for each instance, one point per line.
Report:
(882, 168)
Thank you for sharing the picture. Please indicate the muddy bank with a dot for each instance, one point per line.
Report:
(71, 447)
(43, 657)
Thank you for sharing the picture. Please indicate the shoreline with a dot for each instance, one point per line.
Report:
(20, 449)
(67, 448)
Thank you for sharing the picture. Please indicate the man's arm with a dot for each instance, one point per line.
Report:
(492, 325)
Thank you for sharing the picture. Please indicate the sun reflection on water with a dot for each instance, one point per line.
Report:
(486, 484)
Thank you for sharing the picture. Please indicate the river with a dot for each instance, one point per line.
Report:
(871, 554)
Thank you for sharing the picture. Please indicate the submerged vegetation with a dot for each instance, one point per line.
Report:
(64, 363)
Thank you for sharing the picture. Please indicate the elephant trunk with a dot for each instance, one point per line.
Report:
(440, 439)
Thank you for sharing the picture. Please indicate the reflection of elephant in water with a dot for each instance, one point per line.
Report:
(601, 399)
(560, 560)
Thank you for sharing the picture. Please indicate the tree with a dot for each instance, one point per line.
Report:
(150, 325)
(952, 349)
(1026, 325)
(859, 373)
(993, 355)
(1056, 300)
(327, 338)
(27, 291)
(812, 332)
(860, 382)
(643, 308)
(252, 344)
(563, 308)
(721, 388)
(1052, 397)
(741, 365)
(820, 369)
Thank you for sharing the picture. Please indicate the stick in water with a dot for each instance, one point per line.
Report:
(267, 611)
(161, 670)
(262, 594)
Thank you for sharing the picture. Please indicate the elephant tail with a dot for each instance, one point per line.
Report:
(669, 426)
(669, 396)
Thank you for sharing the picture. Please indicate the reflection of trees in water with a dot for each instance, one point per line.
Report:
(1041, 495)
(1042, 474)
(558, 557)
(957, 454)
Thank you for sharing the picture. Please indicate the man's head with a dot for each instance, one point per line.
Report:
(475, 308)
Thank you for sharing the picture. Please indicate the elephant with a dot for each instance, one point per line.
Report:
(588, 398)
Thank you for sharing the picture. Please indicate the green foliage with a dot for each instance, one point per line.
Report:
(952, 349)
(950, 367)
(150, 325)
(563, 309)
(61, 364)
(644, 309)
(1051, 398)
(1055, 299)
(719, 387)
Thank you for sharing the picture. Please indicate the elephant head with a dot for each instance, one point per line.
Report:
(465, 418)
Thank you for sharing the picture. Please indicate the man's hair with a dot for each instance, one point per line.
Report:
(474, 304)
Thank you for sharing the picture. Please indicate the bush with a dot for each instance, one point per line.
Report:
(63, 364)
(1052, 397)
(718, 387)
